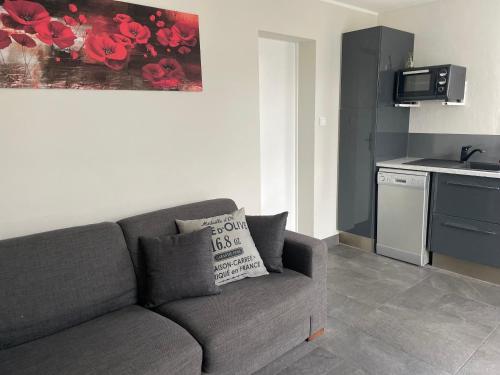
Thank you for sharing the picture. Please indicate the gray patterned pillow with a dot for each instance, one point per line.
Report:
(235, 254)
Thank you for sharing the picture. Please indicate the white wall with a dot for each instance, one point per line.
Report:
(461, 32)
(278, 127)
(74, 157)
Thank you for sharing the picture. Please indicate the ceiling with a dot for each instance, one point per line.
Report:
(378, 6)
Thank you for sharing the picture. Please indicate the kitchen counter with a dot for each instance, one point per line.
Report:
(400, 164)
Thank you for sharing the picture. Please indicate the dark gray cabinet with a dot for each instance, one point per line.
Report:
(465, 221)
(476, 198)
(371, 129)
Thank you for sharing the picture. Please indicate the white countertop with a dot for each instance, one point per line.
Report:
(399, 164)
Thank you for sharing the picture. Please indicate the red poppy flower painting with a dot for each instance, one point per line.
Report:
(98, 44)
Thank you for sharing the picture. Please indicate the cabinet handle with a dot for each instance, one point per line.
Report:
(473, 186)
(467, 228)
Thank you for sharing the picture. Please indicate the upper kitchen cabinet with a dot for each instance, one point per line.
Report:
(371, 128)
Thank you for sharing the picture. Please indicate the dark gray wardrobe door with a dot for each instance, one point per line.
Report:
(356, 169)
(360, 55)
(371, 128)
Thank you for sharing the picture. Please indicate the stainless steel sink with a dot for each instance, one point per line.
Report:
(455, 164)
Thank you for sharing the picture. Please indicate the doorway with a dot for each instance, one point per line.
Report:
(278, 85)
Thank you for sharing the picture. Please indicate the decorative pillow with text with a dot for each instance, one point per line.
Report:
(235, 254)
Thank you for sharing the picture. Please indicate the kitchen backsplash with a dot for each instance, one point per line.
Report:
(447, 146)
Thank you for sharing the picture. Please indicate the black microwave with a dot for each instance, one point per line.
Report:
(442, 82)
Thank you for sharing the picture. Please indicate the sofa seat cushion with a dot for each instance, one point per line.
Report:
(130, 341)
(250, 323)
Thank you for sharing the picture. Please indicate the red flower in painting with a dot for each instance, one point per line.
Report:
(55, 32)
(26, 13)
(73, 8)
(70, 21)
(160, 24)
(185, 33)
(173, 69)
(167, 38)
(74, 55)
(24, 40)
(152, 50)
(5, 40)
(119, 38)
(184, 50)
(152, 72)
(167, 84)
(83, 19)
(166, 75)
(120, 17)
(135, 31)
(102, 48)
(9, 22)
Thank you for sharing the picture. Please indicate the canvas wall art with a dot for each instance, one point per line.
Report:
(98, 44)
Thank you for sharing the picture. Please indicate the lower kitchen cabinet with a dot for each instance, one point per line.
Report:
(472, 197)
(465, 218)
(466, 239)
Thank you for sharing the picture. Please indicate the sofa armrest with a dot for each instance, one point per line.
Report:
(306, 255)
(309, 256)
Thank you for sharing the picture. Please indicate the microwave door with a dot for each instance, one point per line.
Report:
(417, 85)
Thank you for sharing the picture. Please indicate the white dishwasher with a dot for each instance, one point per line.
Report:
(403, 205)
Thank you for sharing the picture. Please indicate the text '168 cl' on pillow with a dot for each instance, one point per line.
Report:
(235, 254)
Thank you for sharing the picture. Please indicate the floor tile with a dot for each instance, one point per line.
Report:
(361, 286)
(436, 339)
(486, 361)
(345, 369)
(318, 362)
(346, 251)
(347, 309)
(494, 339)
(467, 287)
(381, 267)
(372, 355)
(443, 307)
(285, 360)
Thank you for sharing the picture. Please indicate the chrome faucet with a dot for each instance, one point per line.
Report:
(465, 155)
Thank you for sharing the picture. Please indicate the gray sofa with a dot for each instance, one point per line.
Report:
(70, 305)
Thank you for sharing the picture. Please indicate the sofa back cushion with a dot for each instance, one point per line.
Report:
(162, 222)
(56, 280)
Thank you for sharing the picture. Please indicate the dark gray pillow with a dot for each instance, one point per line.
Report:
(268, 233)
(179, 266)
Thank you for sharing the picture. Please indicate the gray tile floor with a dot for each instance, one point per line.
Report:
(389, 318)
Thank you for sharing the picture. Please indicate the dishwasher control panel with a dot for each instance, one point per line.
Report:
(401, 179)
